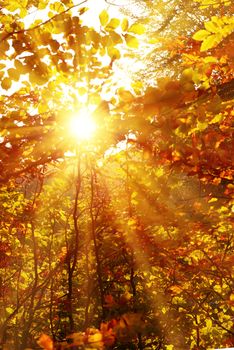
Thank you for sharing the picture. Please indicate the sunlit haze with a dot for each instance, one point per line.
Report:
(82, 126)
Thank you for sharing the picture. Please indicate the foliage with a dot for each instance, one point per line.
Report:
(124, 241)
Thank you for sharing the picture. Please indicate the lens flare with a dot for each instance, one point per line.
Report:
(82, 126)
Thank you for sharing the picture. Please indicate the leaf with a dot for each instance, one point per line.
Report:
(113, 24)
(57, 7)
(213, 200)
(109, 301)
(97, 339)
(13, 74)
(125, 95)
(82, 91)
(208, 325)
(159, 172)
(6, 83)
(9, 310)
(201, 35)
(169, 347)
(210, 42)
(42, 4)
(175, 289)
(45, 342)
(113, 52)
(42, 108)
(116, 38)
(212, 27)
(131, 41)
(104, 18)
(75, 339)
(137, 29)
(124, 24)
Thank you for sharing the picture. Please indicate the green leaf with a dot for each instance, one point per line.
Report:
(137, 29)
(201, 35)
(104, 17)
(131, 41)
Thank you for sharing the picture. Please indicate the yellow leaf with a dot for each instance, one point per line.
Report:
(104, 17)
(169, 347)
(113, 24)
(213, 200)
(23, 12)
(208, 324)
(42, 4)
(125, 95)
(82, 91)
(212, 27)
(211, 59)
(131, 41)
(124, 24)
(137, 29)
(96, 338)
(131, 222)
(13, 74)
(113, 52)
(57, 7)
(201, 35)
(210, 42)
(42, 108)
(218, 288)
(159, 171)
(176, 289)
(6, 83)
(201, 126)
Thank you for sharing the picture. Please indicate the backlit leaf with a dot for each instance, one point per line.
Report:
(201, 35)
(6, 83)
(131, 41)
(137, 29)
(210, 42)
(124, 24)
(212, 27)
(113, 24)
(104, 17)
(113, 52)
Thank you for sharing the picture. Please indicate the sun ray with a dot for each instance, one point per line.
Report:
(82, 126)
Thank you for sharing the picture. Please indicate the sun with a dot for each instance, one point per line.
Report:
(82, 126)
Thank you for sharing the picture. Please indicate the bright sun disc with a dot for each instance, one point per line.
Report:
(82, 126)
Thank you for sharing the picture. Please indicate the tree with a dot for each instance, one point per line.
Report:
(125, 240)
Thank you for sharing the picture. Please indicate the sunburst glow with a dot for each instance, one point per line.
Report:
(82, 126)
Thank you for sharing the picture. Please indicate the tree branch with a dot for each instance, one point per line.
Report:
(8, 35)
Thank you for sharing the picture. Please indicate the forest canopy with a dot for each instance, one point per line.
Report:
(116, 174)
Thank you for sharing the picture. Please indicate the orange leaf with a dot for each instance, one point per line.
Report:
(45, 342)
